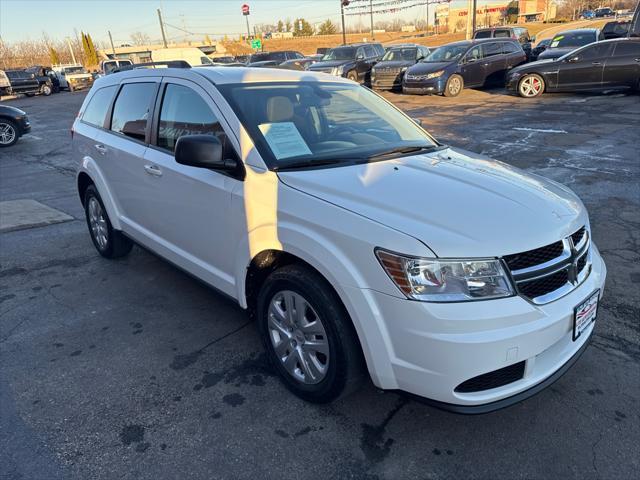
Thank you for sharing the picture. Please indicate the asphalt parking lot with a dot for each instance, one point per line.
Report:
(132, 369)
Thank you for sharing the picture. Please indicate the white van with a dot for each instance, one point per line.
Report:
(193, 56)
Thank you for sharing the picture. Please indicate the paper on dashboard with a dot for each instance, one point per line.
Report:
(284, 139)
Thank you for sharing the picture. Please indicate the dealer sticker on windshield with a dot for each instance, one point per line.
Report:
(584, 314)
(284, 139)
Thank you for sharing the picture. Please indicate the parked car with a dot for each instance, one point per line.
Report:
(302, 195)
(5, 84)
(322, 51)
(298, 63)
(224, 60)
(517, 33)
(109, 66)
(607, 65)
(23, 82)
(192, 55)
(569, 40)
(587, 14)
(470, 63)
(634, 29)
(272, 59)
(616, 29)
(351, 61)
(73, 77)
(540, 47)
(43, 74)
(387, 73)
(604, 12)
(14, 123)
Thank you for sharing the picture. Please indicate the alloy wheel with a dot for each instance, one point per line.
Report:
(531, 86)
(7, 133)
(298, 337)
(98, 223)
(454, 86)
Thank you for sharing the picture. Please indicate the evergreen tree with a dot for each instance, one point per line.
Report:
(327, 28)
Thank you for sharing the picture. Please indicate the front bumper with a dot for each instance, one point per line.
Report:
(433, 348)
(424, 87)
(512, 83)
(24, 124)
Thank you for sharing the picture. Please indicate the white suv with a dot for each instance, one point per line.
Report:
(357, 241)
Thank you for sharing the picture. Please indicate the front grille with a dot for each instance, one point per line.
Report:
(534, 257)
(495, 379)
(547, 273)
(544, 285)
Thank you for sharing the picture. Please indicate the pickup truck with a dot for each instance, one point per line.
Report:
(73, 77)
(23, 82)
(47, 79)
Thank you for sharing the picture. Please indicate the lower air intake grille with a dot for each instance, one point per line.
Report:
(495, 379)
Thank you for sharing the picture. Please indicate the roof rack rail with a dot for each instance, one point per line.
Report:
(167, 64)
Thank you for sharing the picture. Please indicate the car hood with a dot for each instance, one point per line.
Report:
(457, 203)
(556, 52)
(394, 64)
(332, 63)
(428, 67)
(8, 110)
(525, 67)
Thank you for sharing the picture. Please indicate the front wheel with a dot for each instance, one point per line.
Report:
(454, 86)
(110, 243)
(308, 335)
(531, 85)
(8, 133)
(46, 90)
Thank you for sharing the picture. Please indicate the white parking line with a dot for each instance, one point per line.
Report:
(31, 136)
(539, 130)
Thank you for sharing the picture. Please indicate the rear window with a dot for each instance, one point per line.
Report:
(96, 110)
(131, 110)
(483, 34)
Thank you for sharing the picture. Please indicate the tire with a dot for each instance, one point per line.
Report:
(110, 243)
(29, 94)
(70, 88)
(454, 86)
(9, 133)
(336, 367)
(531, 86)
(352, 75)
(46, 90)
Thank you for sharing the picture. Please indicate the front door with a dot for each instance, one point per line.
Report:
(584, 68)
(495, 63)
(188, 208)
(472, 67)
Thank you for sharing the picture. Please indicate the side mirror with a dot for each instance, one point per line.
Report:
(360, 57)
(205, 151)
(573, 59)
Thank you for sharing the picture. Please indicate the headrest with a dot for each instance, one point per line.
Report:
(279, 109)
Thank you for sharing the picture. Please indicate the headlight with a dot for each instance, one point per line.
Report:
(434, 280)
(403, 69)
(435, 74)
(338, 70)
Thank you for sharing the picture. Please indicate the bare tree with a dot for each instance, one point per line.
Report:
(140, 38)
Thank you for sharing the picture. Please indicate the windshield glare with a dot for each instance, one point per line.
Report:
(400, 54)
(319, 122)
(447, 53)
(343, 53)
(573, 39)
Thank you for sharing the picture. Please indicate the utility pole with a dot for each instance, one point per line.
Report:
(470, 8)
(113, 50)
(427, 32)
(344, 32)
(373, 36)
(248, 29)
(475, 7)
(164, 38)
(73, 57)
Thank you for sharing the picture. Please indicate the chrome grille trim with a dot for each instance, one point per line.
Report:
(568, 261)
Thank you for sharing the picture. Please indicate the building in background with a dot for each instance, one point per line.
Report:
(451, 20)
(142, 53)
(536, 10)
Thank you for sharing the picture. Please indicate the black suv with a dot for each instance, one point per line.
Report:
(516, 33)
(470, 63)
(272, 59)
(616, 29)
(47, 79)
(388, 72)
(23, 82)
(353, 61)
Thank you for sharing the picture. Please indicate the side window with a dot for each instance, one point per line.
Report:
(474, 54)
(483, 34)
(184, 112)
(626, 48)
(508, 47)
(297, 55)
(131, 110)
(491, 49)
(96, 110)
(369, 52)
(595, 51)
(379, 50)
(360, 53)
(502, 34)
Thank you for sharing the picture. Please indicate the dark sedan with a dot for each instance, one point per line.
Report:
(540, 47)
(387, 73)
(610, 64)
(471, 63)
(567, 41)
(13, 124)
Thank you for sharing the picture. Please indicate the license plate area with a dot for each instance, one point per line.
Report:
(585, 314)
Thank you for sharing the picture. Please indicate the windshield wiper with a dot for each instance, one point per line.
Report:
(311, 164)
(404, 151)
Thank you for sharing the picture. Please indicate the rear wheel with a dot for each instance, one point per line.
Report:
(8, 133)
(308, 335)
(454, 86)
(531, 85)
(110, 243)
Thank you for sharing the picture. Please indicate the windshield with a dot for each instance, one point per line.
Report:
(72, 70)
(447, 53)
(311, 123)
(400, 54)
(342, 53)
(575, 39)
(206, 61)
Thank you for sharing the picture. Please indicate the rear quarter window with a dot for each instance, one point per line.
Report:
(131, 110)
(502, 34)
(483, 34)
(96, 110)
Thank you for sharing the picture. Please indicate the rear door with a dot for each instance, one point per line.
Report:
(473, 69)
(122, 146)
(584, 69)
(187, 208)
(623, 67)
(494, 61)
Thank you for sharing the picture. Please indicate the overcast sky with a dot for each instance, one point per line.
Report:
(27, 19)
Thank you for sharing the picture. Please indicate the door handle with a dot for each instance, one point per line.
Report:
(101, 149)
(153, 170)
(596, 63)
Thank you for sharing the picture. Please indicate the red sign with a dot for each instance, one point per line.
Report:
(245, 9)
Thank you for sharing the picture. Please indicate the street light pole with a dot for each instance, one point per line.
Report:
(373, 36)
